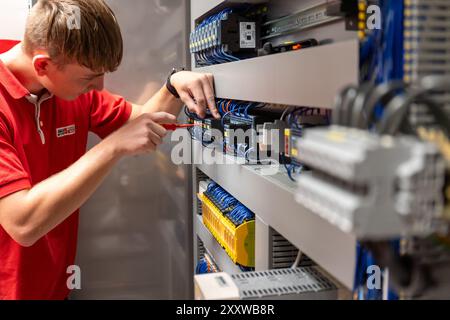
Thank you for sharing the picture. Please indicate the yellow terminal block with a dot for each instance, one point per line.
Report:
(362, 6)
(287, 132)
(361, 25)
(238, 241)
(362, 16)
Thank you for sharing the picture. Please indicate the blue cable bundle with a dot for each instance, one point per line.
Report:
(218, 53)
(240, 214)
(237, 108)
(224, 201)
(291, 169)
(294, 116)
(202, 267)
(382, 53)
(230, 206)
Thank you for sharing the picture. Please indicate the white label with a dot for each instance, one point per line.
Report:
(248, 35)
(66, 131)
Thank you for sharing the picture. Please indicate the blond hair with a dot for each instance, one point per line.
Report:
(93, 41)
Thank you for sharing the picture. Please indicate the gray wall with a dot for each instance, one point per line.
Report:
(135, 233)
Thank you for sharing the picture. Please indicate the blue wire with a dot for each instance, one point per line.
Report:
(238, 213)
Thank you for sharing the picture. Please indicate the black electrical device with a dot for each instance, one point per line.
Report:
(230, 35)
(209, 125)
(236, 138)
(240, 35)
(347, 9)
(292, 136)
(247, 146)
(268, 48)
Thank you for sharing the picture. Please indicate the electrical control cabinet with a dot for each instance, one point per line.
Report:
(245, 78)
(329, 195)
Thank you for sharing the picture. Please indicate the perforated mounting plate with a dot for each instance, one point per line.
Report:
(298, 283)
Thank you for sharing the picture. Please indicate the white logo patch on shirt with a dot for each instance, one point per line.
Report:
(65, 131)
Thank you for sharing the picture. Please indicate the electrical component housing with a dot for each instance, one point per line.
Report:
(224, 37)
(288, 284)
(373, 186)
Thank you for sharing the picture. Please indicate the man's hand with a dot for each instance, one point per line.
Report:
(141, 135)
(196, 90)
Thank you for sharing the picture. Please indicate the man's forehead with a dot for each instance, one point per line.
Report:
(84, 70)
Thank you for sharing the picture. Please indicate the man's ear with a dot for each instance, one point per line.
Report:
(41, 64)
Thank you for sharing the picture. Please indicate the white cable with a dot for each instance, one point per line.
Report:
(297, 260)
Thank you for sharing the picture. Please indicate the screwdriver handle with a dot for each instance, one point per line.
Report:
(175, 126)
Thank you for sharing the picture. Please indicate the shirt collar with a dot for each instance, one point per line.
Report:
(16, 89)
(11, 83)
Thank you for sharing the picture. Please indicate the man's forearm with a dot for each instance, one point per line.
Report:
(50, 202)
(163, 100)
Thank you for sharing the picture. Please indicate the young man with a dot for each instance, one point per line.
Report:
(50, 98)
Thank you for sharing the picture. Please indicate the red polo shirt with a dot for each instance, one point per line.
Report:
(38, 138)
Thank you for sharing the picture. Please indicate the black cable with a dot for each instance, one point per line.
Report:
(381, 94)
(441, 117)
(398, 108)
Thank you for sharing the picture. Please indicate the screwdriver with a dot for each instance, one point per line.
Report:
(175, 126)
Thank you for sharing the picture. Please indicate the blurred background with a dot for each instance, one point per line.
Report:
(134, 238)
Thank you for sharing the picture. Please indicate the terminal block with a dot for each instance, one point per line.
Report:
(305, 283)
(375, 187)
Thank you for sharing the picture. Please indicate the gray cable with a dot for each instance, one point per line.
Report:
(365, 91)
(382, 93)
(338, 115)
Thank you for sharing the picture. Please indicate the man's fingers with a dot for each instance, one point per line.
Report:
(208, 88)
(156, 140)
(190, 103)
(163, 117)
(200, 99)
(157, 130)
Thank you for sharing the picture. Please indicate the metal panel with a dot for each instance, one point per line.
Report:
(199, 8)
(134, 238)
(262, 241)
(309, 77)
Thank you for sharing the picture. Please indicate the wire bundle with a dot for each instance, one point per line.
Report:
(294, 116)
(215, 52)
(292, 169)
(205, 265)
(237, 108)
(228, 205)
(356, 106)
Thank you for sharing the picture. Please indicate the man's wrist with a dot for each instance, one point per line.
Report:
(111, 149)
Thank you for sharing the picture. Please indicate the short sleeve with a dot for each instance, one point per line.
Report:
(108, 112)
(13, 176)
